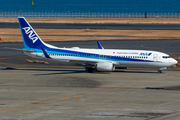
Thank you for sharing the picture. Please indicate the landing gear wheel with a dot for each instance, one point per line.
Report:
(90, 70)
(159, 71)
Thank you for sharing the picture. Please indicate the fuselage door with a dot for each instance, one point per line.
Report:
(155, 57)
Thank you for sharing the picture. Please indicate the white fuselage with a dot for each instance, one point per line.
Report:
(120, 58)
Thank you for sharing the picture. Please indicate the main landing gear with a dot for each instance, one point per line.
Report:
(159, 71)
(90, 69)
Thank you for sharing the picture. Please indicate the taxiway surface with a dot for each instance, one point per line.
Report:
(96, 26)
(71, 93)
(167, 46)
(39, 91)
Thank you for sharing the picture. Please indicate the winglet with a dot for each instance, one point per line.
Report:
(45, 53)
(99, 45)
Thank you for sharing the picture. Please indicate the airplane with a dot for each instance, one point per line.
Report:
(93, 59)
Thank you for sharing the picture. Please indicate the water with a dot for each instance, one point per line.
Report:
(91, 6)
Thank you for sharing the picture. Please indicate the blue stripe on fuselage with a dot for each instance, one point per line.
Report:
(89, 55)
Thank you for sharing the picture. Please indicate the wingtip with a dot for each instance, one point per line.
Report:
(99, 45)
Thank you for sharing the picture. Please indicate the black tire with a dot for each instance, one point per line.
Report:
(159, 71)
(90, 70)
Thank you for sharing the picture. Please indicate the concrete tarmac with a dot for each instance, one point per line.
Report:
(71, 93)
(30, 91)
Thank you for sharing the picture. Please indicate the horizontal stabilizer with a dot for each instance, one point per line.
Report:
(18, 49)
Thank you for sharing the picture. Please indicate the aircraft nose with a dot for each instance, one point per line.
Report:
(174, 61)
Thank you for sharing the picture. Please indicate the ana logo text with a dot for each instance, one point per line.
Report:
(31, 34)
(145, 54)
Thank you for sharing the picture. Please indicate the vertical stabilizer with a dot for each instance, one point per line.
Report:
(30, 37)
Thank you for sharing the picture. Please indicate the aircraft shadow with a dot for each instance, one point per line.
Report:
(134, 71)
(176, 87)
(60, 71)
(53, 70)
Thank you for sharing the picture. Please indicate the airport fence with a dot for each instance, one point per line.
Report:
(89, 15)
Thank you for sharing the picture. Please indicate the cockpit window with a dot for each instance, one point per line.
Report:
(166, 57)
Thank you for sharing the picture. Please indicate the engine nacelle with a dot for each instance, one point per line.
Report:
(105, 66)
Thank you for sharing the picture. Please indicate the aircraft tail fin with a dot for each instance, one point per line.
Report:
(30, 37)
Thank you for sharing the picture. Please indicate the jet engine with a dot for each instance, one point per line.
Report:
(105, 66)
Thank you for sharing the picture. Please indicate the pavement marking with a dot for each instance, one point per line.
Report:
(166, 103)
(35, 104)
(170, 77)
(150, 81)
(78, 96)
(139, 84)
(104, 91)
(115, 89)
(178, 75)
(160, 79)
(128, 86)
(89, 93)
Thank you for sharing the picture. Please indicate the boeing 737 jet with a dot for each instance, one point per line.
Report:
(93, 59)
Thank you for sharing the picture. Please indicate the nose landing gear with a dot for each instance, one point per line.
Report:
(160, 69)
